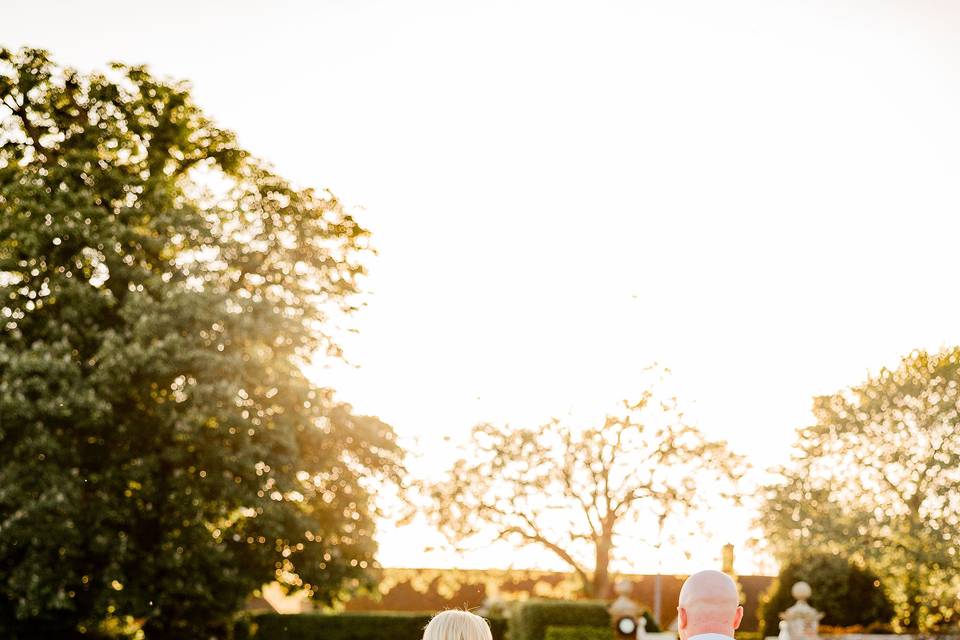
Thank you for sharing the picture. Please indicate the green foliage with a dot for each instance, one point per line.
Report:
(159, 289)
(877, 479)
(345, 626)
(498, 627)
(652, 626)
(532, 617)
(578, 633)
(846, 594)
(594, 483)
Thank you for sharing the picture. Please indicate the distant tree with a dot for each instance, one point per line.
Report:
(877, 479)
(571, 490)
(847, 595)
(164, 455)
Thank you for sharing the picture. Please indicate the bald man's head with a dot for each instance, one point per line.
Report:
(709, 603)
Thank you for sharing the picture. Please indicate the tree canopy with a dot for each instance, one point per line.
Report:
(160, 290)
(877, 479)
(571, 490)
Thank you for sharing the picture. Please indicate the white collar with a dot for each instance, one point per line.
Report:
(709, 636)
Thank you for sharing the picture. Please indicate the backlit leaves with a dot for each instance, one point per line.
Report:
(877, 479)
(159, 290)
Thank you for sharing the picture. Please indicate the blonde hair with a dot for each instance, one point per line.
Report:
(457, 625)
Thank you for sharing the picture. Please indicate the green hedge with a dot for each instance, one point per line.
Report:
(579, 633)
(531, 618)
(378, 625)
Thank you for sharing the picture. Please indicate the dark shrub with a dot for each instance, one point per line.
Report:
(845, 593)
(344, 626)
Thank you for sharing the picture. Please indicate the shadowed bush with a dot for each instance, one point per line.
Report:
(846, 594)
(344, 626)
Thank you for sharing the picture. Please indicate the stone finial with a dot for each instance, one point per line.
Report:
(802, 620)
(625, 614)
(623, 605)
(801, 591)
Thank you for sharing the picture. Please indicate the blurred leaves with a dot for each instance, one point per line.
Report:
(876, 480)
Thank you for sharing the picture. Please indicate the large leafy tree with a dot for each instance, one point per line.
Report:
(877, 478)
(164, 455)
(572, 491)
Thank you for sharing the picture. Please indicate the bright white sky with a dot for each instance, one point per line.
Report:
(762, 195)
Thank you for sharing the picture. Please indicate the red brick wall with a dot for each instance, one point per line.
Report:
(437, 589)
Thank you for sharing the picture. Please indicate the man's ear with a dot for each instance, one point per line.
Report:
(682, 618)
(737, 619)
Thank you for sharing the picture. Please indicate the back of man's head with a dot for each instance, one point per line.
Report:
(709, 603)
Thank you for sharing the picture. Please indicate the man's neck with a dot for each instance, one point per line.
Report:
(711, 631)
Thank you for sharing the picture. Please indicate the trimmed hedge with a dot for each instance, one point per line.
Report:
(579, 633)
(531, 618)
(378, 625)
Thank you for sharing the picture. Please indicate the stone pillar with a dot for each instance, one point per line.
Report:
(802, 620)
(728, 560)
(493, 603)
(784, 631)
(625, 614)
(727, 568)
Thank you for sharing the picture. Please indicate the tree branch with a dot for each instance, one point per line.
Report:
(566, 477)
(535, 536)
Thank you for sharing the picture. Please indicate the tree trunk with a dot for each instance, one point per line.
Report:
(601, 572)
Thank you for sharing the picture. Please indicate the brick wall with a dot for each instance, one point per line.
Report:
(437, 589)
